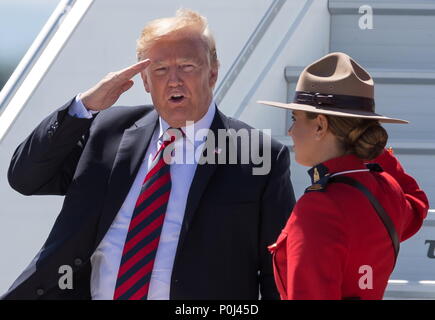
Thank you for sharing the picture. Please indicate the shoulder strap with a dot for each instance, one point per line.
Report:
(388, 223)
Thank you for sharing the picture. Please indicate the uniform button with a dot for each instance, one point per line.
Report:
(40, 292)
(78, 262)
(50, 132)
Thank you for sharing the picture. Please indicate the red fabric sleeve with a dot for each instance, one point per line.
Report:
(316, 249)
(417, 201)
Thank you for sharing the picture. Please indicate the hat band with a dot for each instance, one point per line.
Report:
(337, 101)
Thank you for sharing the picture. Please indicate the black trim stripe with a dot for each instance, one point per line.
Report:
(324, 100)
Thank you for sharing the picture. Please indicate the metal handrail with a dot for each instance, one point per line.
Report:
(34, 52)
(247, 50)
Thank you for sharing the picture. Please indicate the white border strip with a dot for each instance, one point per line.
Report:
(41, 66)
(398, 281)
(380, 75)
(384, 7)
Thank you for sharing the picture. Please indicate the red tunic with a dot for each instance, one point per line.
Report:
(334, 245)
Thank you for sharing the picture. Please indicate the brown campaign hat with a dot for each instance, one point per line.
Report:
(338, 86)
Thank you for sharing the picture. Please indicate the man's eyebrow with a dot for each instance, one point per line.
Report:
(181, 60)
(157, 62)
(192, 59)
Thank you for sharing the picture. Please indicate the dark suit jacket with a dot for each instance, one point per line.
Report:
(231, 215)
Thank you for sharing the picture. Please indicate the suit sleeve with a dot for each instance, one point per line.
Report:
(416, 201)
(316, 249)
(44, 164)
(277, 203)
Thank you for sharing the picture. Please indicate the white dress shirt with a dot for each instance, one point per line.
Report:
(107, 257)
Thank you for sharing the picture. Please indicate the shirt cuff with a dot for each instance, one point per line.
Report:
(78, 110)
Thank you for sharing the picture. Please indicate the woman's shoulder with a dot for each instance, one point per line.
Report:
(319, 201)
(329, 199)
(327, 191)
(319, 215)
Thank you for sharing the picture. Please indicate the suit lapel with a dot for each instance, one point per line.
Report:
(203, 174)
(131, 151)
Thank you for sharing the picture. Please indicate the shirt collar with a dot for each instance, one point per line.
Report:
(191, 131)
(343, 163)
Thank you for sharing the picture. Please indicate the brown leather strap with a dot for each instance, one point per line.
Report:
(336, 101)
(385, 218)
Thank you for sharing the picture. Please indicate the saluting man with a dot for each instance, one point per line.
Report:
(133, 226)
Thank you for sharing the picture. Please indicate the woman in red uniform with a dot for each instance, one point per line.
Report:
(342, 237)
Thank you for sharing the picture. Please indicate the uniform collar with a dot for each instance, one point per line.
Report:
(343, 163)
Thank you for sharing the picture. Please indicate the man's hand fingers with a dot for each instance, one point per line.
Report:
(107, 91)
(127, 86)
(131, 71)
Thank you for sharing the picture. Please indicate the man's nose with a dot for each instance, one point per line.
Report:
(174, 78)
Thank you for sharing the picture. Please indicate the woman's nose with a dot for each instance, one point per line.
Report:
(289, 132)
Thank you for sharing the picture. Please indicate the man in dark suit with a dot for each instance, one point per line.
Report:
(210, 227)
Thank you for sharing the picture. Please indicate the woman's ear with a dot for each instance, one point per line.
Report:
(322, 126)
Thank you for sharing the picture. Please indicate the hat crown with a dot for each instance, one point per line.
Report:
(336, 73)
(335, 85)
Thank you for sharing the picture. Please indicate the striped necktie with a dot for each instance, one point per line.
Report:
(146, 224)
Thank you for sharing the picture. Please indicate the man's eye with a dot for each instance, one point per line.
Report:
(188, 67)
(293, 118)
(160, 70)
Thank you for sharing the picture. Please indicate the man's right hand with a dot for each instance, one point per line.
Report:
(105, 93)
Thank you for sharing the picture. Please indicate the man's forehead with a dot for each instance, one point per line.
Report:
(164, 60)
(179, 39)
(181, 48)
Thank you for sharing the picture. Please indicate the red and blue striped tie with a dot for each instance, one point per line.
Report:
(146, 224)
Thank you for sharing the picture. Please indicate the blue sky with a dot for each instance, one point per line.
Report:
(20, 22)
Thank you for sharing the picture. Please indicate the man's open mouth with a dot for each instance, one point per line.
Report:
(176, 98)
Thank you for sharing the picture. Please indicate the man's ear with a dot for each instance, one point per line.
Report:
(322, 126)
(145, 81)
(214, 72)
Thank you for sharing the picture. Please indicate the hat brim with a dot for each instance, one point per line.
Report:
(334, 111)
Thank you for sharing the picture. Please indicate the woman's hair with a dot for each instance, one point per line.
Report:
(184, 19)
(365, 138)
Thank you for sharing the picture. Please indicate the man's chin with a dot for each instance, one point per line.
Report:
(179, 122)
(181, 116)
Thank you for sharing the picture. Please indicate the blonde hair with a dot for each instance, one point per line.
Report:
(365, 138)
(184, 19)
